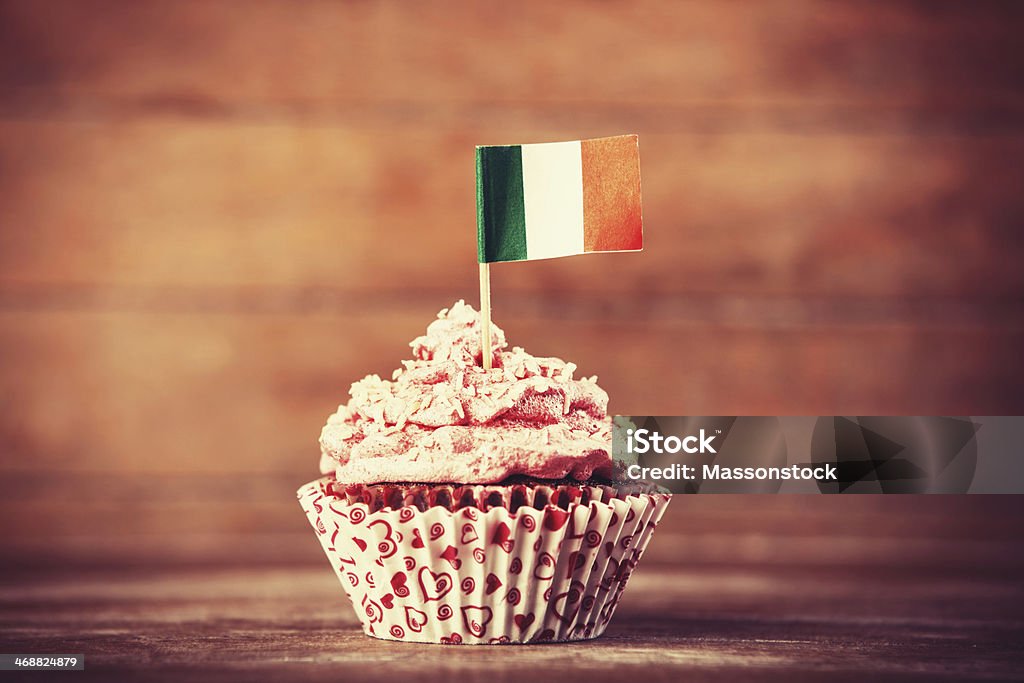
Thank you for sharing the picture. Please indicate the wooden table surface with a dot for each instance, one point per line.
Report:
(765, 623)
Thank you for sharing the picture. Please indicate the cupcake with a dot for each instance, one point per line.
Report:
(461, 505)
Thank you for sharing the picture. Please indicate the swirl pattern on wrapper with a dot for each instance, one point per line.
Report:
(443, 418)
(473, 576)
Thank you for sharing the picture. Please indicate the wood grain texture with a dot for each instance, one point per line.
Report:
(576, 52)
(836, 620)
(203, 204)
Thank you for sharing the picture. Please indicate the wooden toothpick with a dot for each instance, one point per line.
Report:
(485, 314)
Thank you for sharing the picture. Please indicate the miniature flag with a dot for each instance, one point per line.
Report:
(558, 199)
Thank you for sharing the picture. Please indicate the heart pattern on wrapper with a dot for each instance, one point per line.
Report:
(471, 576)
(451, 553)
(503, 537)
(415, 619)
(434, 585)
(398, 585)
(373, 612)
(476, 619)
(387, 545)
(544, 570)
(555, 519)
(567, 604)
(523, 621)
(577, 560)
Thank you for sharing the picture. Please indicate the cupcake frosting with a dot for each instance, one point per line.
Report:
(443, 418)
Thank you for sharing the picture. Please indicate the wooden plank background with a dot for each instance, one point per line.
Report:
(216, 215)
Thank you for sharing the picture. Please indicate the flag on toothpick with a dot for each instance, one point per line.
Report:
(558, 199)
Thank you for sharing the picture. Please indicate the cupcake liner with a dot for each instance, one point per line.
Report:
(482, 573)
(536, 494)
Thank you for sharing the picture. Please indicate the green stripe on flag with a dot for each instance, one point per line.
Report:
(500, 212)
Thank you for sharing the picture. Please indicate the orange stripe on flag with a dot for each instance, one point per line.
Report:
(611, 194)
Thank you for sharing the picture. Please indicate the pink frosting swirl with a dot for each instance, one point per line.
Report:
(443, 418)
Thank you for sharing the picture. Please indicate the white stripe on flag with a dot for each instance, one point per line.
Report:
(553, 199)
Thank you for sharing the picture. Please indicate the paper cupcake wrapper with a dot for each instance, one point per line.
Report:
(491, 576)
(481, 496)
